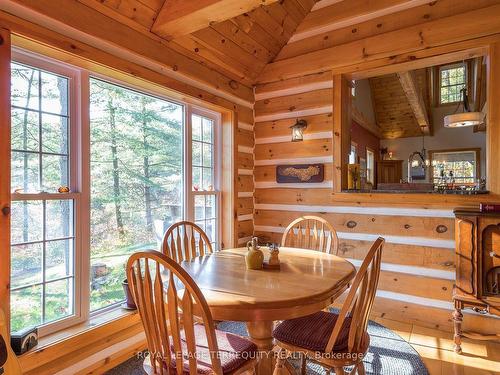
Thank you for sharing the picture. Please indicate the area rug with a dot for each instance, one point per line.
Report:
(388, 354)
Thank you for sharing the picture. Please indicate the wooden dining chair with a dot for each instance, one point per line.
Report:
(168, 299)
(184, 241)
(311, 232)
(336, 340)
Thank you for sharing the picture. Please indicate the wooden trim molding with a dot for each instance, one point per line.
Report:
(5, 56)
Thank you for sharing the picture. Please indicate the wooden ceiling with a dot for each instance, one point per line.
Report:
(226, 47)
(401, 103)
(235, 37)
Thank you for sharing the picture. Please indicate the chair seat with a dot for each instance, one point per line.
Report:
(234, 351)
(312, 332)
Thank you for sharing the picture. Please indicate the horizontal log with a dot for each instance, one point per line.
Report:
(245, 116)
(245, 161)
(374, 224)
(277, 128)
(245, 228)
(474, 24)
(342, 14)
(311, 82)
(245, 138)
(308, 148)
(245, 183)
(418, 15)
(245, 206)
(266, 173)
(304, 196)
(424, 257)
(293, 196)
(292, 103)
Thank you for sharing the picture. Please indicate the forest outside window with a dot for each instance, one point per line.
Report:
(42, 227)
(132, 182)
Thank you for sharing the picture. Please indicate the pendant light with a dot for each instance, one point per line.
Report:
(465, 118)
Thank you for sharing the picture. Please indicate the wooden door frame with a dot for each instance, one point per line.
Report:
(488, 47)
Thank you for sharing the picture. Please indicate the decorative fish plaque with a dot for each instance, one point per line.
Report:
(300, 173)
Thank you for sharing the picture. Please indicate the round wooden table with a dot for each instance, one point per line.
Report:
(307, 282)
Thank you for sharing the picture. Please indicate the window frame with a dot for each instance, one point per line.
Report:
(372, 152)
(75, 110)
(79, 172)
(437, 84)
(190, 194)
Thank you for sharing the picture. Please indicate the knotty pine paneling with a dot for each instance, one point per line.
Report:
(425, 257)
(290, 150)
(292, 103)
(244, 183)
(279, 128)
(245, 206)
(372, 224)
(245, 160)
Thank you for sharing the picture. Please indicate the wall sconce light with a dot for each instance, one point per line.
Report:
(298, 130)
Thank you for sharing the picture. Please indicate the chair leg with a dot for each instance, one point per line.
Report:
(280, 368)
(303, 364)
(361, 368)
(339, 371)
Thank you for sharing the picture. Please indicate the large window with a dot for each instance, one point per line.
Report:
(135, 178)
(452, 79)
(99, 171)
(42, 228)
(204, 193)
(455, 166)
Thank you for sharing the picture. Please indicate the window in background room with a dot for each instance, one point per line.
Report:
(43, 219)
(136, 180)
(461, 166)
(353, 157)
(452, 79)
(370, 166)
(204, 198)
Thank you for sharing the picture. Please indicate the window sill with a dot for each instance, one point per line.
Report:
(99, 330)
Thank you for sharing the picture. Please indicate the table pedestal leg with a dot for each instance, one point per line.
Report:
(261, 333)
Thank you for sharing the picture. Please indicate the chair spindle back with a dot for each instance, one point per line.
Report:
(184, 241)
(359, 301)
(311, 232)
(149, 273)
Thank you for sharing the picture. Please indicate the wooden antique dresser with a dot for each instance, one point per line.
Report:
(477, 283)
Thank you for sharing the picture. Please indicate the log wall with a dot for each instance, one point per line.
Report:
(418, 269)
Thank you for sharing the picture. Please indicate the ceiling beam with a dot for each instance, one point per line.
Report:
(180, 17)
(347, 13)
(417, 104)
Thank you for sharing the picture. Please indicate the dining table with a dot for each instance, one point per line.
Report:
(306, 282)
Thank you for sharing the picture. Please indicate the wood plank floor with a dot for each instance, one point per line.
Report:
(436, 349)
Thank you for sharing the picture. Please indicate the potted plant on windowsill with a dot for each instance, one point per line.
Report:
(129, 300)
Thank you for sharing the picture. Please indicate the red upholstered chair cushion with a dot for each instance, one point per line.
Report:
(234, 351)
(312, 332)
